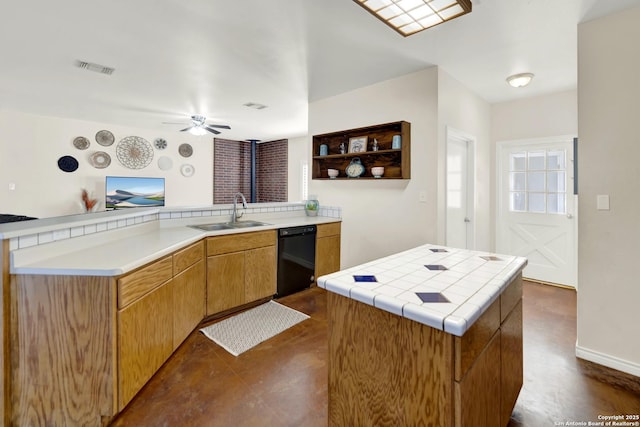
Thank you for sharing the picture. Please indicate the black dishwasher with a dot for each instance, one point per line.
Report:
(296, 259)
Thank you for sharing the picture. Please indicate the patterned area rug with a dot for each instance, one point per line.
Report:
(243, 331)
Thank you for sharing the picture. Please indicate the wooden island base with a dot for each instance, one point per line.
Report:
(386, 370)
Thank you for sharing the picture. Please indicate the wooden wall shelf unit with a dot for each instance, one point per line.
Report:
(396, 162)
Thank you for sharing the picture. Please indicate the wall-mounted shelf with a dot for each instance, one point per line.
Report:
(396, 162)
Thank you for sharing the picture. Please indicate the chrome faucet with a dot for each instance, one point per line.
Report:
(234, 215)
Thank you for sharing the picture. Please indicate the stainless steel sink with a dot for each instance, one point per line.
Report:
(228, 225)
(212, 227)
(244, 224)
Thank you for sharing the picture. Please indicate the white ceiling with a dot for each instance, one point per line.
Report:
(174, 58)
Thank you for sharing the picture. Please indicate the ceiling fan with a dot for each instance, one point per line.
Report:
(198, 126)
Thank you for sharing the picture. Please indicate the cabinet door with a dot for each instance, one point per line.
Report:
(260, 273)
(145, 330)
(512, 361)
(327, 255)
(477, 395)
(225, 282)
(189, 294)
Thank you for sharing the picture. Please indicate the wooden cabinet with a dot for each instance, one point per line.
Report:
(159, 305)
(396, 162)
(414, 374)
(327, 248)
(145, 340)
(240, 269)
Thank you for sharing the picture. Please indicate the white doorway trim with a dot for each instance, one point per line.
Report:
(456, 136)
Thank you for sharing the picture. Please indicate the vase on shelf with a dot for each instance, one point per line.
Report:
(312, 206)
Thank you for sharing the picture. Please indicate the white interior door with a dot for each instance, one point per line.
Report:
(460, 195)
(536, 215)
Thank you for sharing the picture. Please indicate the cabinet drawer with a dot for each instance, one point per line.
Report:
(331, 229)
(134, 285)
(188, 256)
(240, 242)
(469, 346)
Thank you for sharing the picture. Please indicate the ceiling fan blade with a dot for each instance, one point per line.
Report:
(174, 123)
(210, 129)
(186, 129)
(219, 126)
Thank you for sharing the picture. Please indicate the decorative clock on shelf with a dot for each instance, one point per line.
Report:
(355, 168)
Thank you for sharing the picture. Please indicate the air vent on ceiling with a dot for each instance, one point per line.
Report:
(255, 105)
(95, 67)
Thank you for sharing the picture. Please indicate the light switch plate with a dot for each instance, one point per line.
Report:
(422, 197)
(602, 202)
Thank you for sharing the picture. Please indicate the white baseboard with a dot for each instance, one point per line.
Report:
(608, 361)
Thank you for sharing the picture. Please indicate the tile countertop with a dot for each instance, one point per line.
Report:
(120, 251)
(461, 283)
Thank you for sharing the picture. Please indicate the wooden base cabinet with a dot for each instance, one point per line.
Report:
(327, 248)
(240, 270)
(413, 374)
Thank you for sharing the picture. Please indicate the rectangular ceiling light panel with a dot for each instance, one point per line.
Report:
(411, 16)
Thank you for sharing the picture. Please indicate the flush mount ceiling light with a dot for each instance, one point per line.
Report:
(408, 17)
(520, 80)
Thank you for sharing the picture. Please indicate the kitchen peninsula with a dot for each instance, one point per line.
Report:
(94, 304)
(429, 336)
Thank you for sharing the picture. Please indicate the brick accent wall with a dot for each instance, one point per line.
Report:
(232, 170)
(271, 171)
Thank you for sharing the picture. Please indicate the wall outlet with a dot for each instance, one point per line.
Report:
(12, 186)
(602, 202)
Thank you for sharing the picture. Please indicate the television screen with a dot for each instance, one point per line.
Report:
(133, 192)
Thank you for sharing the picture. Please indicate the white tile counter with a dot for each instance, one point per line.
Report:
(116, 252)
(409, 283)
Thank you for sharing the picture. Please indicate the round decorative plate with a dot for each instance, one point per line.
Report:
(100, 160)
(134, 152)
(187, 170)
(165, 163)
(81, 143)
(105, 138)
(67, 163)
(160, 143)
(185, 150)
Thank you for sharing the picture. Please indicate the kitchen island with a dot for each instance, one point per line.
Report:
(430, 336)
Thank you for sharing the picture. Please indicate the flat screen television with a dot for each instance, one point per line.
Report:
(133, 192)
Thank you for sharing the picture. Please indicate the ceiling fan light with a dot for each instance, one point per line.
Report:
(198, 131)
(520, 80)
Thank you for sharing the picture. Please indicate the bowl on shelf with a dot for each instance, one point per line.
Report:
(333, 173)
(377, 171)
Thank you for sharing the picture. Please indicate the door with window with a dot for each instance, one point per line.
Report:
(536, 208)
(460, 190)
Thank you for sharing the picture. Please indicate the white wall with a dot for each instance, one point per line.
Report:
(609, 295)
(463, 110)
(30, 146)
(381, 217)
(298, 152)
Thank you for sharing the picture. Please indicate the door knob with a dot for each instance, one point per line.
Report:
(569, 216)
(467, 219)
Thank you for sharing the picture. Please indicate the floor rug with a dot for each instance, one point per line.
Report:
(243, 331)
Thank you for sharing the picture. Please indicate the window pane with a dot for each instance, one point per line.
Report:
(518, 161)
(517, 202)
(556, 160)
(536, 202)
(518, 181)
(556, 182)
(536, 160)
(556, 203)
(535, 181)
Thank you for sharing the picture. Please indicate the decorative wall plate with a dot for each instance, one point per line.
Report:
(105, 138)
(100, 160)
(134, 152)
(160, 143)
(165, 163)
(67, 163)
(81, 143)
(187, 170)
(185, 150)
